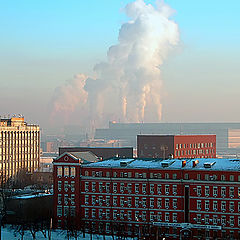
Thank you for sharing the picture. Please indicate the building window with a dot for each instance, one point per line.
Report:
(86, 186)
(238, 206)
(223, 191)
(129, 201)
(167, 189)
(215, 205)
(129, 187)
(207, 205)
(159, 189)
(86, 199)
(72, 211)
(59, 171)
(199, 190)
(151, 202)
(136, 202)
(206, 177)
(206, 219)
(100, 186)
(136, 188)
(114, 201)
(144, 188)
(215, 191)
(66, 186)
(122, 201)
(186, 176)
(215, 219)
(175, 203)
(59, 211)
(108, 214)
(144, 202)
(166, 176)
(59, 186)
(66, 171)
(93, 200)
(198, 176)
(166, 203)
(174, 189)
(72, 186)
(199, 204)
(223, 206)
(129, 215)
(152, 188)
(114, 187)
(223, 220)
(114, 214)
(231, 221)
(107, 187)
(231, 192)
(174, 176)
(207, 191)
(93, 213)
(159, 216)
(72, 199)
(166, 217)
(122, 187)
(199, 218)
(231, 206)
(66, 210)
(151, 216)
(159, 203)
(144, 214)
(223, 178)
(59, 198)
(73, 171)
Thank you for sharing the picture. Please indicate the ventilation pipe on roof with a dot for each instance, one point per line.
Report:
(195, 163)
(184, 163)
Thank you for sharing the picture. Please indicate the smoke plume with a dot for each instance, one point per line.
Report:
(128, 85)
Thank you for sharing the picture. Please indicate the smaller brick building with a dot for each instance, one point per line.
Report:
(176, 146)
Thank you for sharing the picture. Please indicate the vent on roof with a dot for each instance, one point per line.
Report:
(195, 163)
(208, 164)
(125, 163)
(167, 163)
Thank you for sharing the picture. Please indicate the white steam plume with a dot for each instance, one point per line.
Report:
(129, 83)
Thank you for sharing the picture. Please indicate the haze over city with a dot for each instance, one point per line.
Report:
(74, 62)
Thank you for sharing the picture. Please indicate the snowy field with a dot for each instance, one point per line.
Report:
(8, 234)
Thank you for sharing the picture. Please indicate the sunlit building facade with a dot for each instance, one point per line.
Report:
(19, 147)
(150, 199)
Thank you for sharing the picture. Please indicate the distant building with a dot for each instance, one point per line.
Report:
(102, 153)
(149, 199)
(176, 146)
(227, 134)
(19, 146)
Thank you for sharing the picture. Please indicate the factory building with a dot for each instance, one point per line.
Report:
(19, 147)
(149, 198)
(176, 146)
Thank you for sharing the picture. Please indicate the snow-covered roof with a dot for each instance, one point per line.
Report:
(214, 164)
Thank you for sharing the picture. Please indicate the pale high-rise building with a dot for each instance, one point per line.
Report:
(19, 147)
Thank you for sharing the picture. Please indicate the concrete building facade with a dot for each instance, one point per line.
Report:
(19, 147)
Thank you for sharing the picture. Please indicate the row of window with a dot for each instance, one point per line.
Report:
(215, 190)
(66, 211)
(216, 205)
(217, 220)
(66, 185)
(194, 145)
(130, 215)
(194, 152)
(174, 176)
(66, 171)
(131, 201)
(130, 188)
(66, 199)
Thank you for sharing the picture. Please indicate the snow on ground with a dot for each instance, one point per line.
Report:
(8, 234)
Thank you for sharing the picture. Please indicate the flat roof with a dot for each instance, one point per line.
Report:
(203, 164)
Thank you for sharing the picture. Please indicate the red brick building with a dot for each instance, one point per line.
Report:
(187, 199)
(176, 146)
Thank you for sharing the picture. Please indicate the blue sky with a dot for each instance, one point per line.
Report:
(43, 43)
